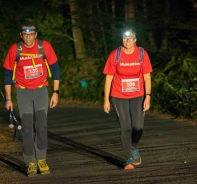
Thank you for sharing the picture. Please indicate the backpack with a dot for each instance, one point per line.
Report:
(118, 53)
(40, 48)
(19, 52)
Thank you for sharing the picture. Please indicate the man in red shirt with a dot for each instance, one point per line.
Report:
(128, 84)
(29, 75)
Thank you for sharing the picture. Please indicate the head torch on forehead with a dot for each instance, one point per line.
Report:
(27, 30)
(129, 34)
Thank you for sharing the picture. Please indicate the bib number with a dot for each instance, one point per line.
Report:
(130, 85)
(33, 72)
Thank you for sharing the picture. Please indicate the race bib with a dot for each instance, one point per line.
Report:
(33, 72)
(130, 85)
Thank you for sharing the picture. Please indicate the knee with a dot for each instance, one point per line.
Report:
(137, 131)
(126, 131)
(41, 122)
(41, 118)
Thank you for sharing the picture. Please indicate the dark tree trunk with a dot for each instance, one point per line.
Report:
(79, 45)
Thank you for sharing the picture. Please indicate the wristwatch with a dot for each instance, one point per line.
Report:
(56, 91)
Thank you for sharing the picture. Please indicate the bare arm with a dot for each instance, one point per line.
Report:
(107, 88)
(147, 82)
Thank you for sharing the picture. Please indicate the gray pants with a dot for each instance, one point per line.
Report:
(130, 115)
(33, 105)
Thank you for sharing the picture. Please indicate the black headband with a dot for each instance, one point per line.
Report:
(27, 30)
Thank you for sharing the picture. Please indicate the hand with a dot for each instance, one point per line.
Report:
(54, 100)
(106, 106)
(9, 105)
(146, 105)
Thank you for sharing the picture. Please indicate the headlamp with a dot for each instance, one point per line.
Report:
(128, 34)
(27, 30)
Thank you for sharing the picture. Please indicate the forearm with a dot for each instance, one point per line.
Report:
(56, 85)
(55, 96)
(107, 87)
(8, 92)
(147, 83)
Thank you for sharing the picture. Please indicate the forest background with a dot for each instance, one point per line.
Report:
(84, 32)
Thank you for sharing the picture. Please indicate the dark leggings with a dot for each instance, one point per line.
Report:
(130, 115)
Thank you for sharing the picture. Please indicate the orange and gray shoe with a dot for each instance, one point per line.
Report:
(129, 164)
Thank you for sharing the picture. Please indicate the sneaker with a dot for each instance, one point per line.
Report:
(136, 156)
(32, 169)
(43, 167)
(129, 164)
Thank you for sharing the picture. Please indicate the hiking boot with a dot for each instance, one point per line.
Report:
(136, 156)
(43, 167)
(129, 164)
(32, 169)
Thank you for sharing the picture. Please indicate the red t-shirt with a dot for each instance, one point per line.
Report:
(26, 75)
(128, 81)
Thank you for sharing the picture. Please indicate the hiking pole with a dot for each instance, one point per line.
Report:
(17, 127)
(14, 123)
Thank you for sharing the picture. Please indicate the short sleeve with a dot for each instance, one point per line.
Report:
(49, 52)
(10, 57)
(110, 66)
(146, 64)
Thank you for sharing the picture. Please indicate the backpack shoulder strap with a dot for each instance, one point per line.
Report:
(141, 54)
(118, 52)
(19, 50)
(41, 49)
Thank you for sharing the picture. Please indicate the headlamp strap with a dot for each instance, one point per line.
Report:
(27, 30)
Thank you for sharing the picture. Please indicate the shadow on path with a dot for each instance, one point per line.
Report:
(13, 162)
(86, 150)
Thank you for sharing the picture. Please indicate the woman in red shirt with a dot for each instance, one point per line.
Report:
(128, 86)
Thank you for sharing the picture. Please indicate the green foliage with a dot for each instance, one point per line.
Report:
(174, 87)
(74, 73)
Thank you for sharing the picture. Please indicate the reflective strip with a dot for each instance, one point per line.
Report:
(47, 65)
(33, 62)
(32, 57)
(14, 71)
(22, 87)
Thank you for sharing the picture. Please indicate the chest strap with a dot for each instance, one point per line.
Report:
(33, 63)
